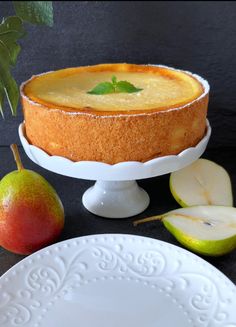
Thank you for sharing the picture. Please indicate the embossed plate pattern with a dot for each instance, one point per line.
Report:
(113, 281)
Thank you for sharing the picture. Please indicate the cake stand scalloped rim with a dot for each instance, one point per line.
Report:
(129, 170)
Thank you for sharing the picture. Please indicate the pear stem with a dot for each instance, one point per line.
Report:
(16, 155)
(145, 220)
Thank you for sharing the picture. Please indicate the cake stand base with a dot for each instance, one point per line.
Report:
(115, 199)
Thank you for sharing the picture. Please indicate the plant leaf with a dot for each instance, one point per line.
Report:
(114, 79)
(35, 12)
(12, 48)
(14, 24)
(103, 88)
(114, 87)
(12, 93)
(11, 29)
(126, 87)
(7, 83)
(1, 99)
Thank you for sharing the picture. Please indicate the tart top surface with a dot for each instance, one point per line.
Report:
(162, 88)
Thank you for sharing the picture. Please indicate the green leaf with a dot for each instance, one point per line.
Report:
(126, 87)
(7, 83)
(114, 79)
(2, 93)
(103, 88)
(13, 24)
(11, 29)
(114, 87)
(12, 47)
(12, 92)
(35, 12)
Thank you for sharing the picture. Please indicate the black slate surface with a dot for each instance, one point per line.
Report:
(80, 222)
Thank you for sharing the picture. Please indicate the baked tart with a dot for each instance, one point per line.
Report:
(71, 113)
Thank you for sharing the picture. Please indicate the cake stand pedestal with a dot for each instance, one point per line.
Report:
(115, 199)
(116, 193)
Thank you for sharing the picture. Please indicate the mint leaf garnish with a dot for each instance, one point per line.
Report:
(114, 80)
(102, 88)
(114, 87)
(126, 87)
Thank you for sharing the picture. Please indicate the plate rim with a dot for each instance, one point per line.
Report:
(230, 283)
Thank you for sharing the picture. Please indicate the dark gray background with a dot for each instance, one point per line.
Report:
(197, 35)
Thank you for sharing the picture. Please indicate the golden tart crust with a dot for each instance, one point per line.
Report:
(114, 134)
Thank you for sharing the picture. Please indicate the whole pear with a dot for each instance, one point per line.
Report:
(31, 213)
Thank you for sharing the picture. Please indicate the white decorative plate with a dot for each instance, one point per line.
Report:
(113, 281)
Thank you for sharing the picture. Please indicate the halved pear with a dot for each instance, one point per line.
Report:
(207, 230)
(201, 183)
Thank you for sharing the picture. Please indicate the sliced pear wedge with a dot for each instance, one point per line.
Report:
(207, 230)
(201, 183)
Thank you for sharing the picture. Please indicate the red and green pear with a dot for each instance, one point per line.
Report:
(31, 213)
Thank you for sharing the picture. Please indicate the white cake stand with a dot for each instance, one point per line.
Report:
(115, 194)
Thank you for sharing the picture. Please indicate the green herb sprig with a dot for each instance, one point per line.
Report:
(114, 87)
